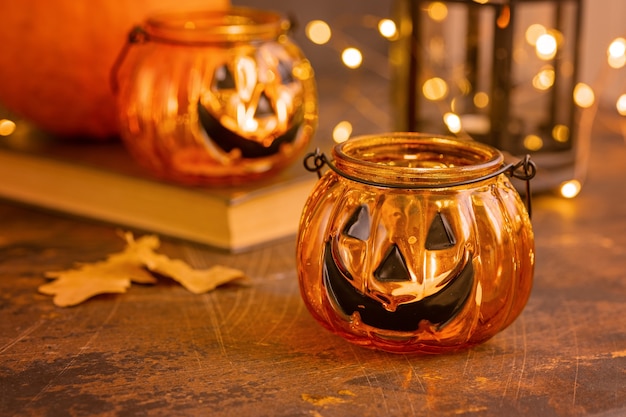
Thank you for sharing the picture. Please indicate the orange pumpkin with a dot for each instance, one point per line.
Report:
(56, 57)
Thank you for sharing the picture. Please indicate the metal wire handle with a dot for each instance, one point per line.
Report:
(525, 170)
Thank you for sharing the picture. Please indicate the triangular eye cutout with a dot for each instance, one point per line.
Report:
(358, 225)
(284, 70)
(224, 79)
(393, 267)
(439, 234)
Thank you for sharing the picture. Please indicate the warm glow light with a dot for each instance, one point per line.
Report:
(617, 61)
(247, 74)
(617, 53)
(533, 142)
(245, 120)
(504, 18)
(453, 122)
(387, 28)
(534, 32)
(583, 95)
(465, 86)
(544, 79)
(7, 127)
(437, 11)
(621, 105)
(546, 46)
(560, 133)
(318, 32)
(617, 47)
(342, 131)
(570, 189)
(435, 89)
(481, 100)
(352, 57)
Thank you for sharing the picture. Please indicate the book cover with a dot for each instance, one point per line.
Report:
(101, 181)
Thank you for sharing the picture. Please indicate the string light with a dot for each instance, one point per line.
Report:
(318, 32)
(560, 133)
(453, 122)
(544, 79)
(621, 105)
(533, 32)
(342, 131)
(533, 142)
(352, 57)
(435, 89)
(437, 11)
(387, 28)
(570, 189)
(7, 127)
(546, 46)
(583, 95)
(481, 99)
(545, 42)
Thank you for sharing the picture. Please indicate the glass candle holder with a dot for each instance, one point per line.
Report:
(217, 98)
(413, 243)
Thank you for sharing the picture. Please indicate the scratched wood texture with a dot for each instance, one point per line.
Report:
(254, 350)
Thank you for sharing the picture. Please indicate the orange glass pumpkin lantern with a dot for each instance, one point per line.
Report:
(413, 243)
(215, 98)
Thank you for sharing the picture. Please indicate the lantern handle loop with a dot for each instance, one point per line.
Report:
(136, 35)
(524, 170)
(314, 161)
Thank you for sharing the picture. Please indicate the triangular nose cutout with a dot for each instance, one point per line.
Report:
(264, 108)
(393, 267)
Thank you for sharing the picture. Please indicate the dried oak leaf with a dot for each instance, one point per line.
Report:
(115, 274)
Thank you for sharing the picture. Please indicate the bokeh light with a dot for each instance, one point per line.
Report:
(544, 79)
(561, 133)
(533, 32)
(435, 89)
(437, 11)
(617, 53)
(7, 127)
(342, 131)
(546, 46)
(621, 104)
(583, 95)
(570, 189)
(352, 58)
(453, 122)
(387, 28)
(318, 32)
(481, 100)
(533, 142)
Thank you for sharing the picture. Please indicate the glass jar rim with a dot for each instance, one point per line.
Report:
(414, 159)
(235, 24)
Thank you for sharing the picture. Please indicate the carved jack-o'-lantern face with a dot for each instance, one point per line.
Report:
(395, 282)
(414, 244)
(254, 105)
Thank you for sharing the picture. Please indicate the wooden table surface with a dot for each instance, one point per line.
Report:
(254, 350)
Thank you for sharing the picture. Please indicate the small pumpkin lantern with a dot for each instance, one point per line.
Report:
(414, 243)
(215, 98)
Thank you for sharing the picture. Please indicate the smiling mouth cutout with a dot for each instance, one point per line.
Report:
(438, 308)
(228, 140)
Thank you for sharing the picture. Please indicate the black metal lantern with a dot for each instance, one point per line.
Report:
(500, 71)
